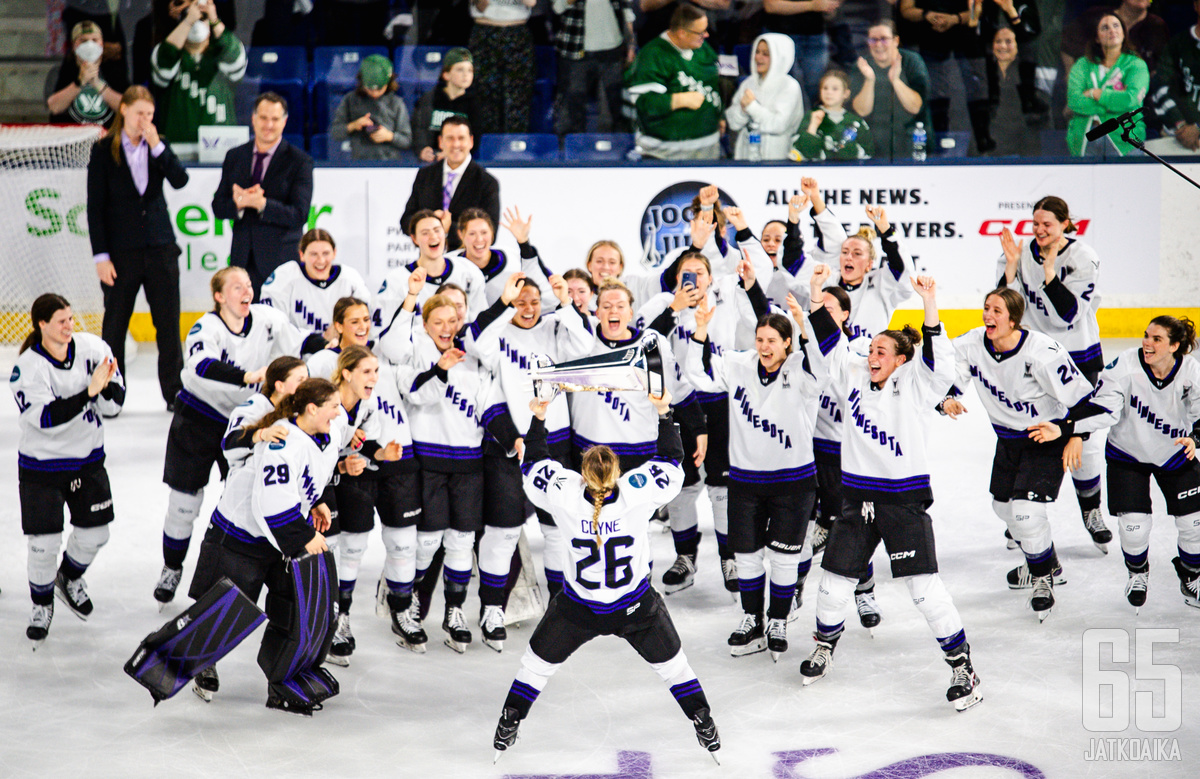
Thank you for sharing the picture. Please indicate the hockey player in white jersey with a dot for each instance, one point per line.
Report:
(430, 238)
(1023, 379)
(282, 376)
(307, 290)
(605, 513)
(352, 326)
(64, 383)
(1058, 277)
(478, 233)
(225, 357)
(889, 399)
(1152, 398)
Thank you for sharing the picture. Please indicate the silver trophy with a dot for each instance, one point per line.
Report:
(639, 368)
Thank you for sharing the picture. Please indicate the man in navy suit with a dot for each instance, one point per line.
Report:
(266, 189)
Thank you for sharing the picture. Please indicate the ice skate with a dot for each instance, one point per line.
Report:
(681, 575)
(964, 683)
(868, 610)
(797, 601)
(1010, 542)
(1042, 599)
(706, 732)
(818, 663)
(206, 683)
(39, 624)
(292, 707)
(1093, 520)
(73, 592)
(343, 643)
(819, 536)
(381, 601)
(1019, 578)
(1189, 583)
(749, 638)
(455, 625)
(777, 637)
(168, 582)
(1136, 587)
(406, 623)
(491, 625)
(506, 731)
(729, 574)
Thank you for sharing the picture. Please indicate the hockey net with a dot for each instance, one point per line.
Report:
(43, 225)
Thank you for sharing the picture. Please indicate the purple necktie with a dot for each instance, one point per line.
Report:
(256, 175)
(448, 190)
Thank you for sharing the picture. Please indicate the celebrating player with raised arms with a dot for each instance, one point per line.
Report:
(307, 290)
(64, 383)
(478, 233)
(605, 514)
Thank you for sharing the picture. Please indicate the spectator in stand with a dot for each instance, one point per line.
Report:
(673, 83)
(847, 28)
(503, 48)
(1017, 112)
(1147, 33)
(948, 28)
(1175, 97)
(133, 242)
(196, 66)
(804, 22)
(890, 89)
(266, 190)
(831, 132)
(1109, 80)
(1023, 18)
(451, 97)
(103, 14)
(153, 28)
(595, 43)
(373, 116)
(769, 103)
(89, 89)
(454, 183)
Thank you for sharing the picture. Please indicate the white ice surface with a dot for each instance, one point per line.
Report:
(69, 710)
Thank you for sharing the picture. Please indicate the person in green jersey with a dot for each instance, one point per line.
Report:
(830, 131)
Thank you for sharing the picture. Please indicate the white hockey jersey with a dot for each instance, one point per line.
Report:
(1072, 320)
(392, 414)
(255, 408)
(882, 289)
(1035, 382)
(308, 303)
(445, 408)
(216, 358)
(1146, 414)
(502, 265)
(61, 428)
(323, 364)
(827, 439)
(394, 289)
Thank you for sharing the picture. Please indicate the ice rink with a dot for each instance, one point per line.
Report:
(69, 710)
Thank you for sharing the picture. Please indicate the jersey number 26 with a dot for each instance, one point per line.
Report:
(618, 571)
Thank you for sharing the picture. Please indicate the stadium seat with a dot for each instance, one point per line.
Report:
(420, 63)
(519, 147)
(296, 139)
(282, 69)
(335, 72)
(1054, 143)
(598, 147)
(318, 146)
(962, 141)
(541, 108)
(743, 54)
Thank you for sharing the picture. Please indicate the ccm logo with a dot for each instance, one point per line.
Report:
(994, 227)
(902, 555)
(1189, 493)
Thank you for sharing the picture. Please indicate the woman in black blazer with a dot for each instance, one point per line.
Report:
(133, 244)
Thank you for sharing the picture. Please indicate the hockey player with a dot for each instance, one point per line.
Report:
(580, 290)
(478, 233)
(64, 384)
(885, 482)
(773, 394)
(606, 515)
(874, 292)
(352, 326)
(1152, 396)
(1058, 275)
(307, 290)
(226, 357)
(1023, 379)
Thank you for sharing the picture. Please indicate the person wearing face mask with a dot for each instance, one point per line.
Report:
(197, 66)
(373, 117)
(769, 104)
(89, 88)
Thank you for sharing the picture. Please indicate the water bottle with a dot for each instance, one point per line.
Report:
(754, 153)
(920, 138)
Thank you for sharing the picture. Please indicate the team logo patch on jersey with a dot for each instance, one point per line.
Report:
(270, 278)
(16, 374)
(275, 446)
(1112, 364)
(637, 480)
(195, 329)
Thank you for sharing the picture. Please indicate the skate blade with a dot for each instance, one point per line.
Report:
(36, 644)
(381, 605)
(415, 648)
(871, 633)
(162, 605)
(753, 648)
(1102, 547)
(338, 660)
(775, 656)
(498, 646)
(457, 646)
(713, 755)
(671, 589)
(201, 693)
(1012, 545)
(499, 754)
(807, 680)
(969, 701)
(306, 713)
(1042, 615)
(795, 615)
(70, 606)
(1194, 603)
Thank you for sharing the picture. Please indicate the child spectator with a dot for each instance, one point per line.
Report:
(831, 132)
(451, 97)
(373, 116)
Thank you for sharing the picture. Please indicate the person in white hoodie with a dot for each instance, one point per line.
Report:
(769, 101)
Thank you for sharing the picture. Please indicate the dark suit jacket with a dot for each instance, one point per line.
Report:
(476, 189)
(119, 219)
(273, 236)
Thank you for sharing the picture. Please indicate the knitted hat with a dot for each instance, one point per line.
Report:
(375, 72)
(455, 56)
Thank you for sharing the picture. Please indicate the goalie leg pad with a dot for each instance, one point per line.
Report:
(302, 608)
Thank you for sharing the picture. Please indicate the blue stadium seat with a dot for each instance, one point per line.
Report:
(545, 64)
(319, 146)
(325, 148)
(420, 63)
(296, 140)
(335, 72)
(743, 53)
(282, 69)
(541, 108)
(1054, 143)
(598, 147)
(962, 141)
(519, 147)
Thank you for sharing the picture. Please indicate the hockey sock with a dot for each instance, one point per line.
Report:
(460, 547)
(752, 578)
(1042, 563)
(932, 599)
(1030, 527)
(552, 558)
(427, 546)
(719, 497)
(82, 546)
(680, 677)
(684, 520)
(495, 560)
(1134, 531)
(1087, 490)
(1188, 526)
(43, 565)
(350, 555)
(182, 510)
(531, 680)
(867, 582)
(400, 562)
(834, 595)
(784, 575)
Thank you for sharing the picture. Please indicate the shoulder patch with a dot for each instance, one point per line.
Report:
(270, 278)
(275, 445)
(195, 329)
(1112, 364)
(637, 480)
(383, 286)
(16, 374)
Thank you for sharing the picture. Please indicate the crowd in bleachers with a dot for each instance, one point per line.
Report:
(573, 80)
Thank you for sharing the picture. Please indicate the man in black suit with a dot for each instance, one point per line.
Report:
(454, 184)
(133, 243)
(266, 189)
